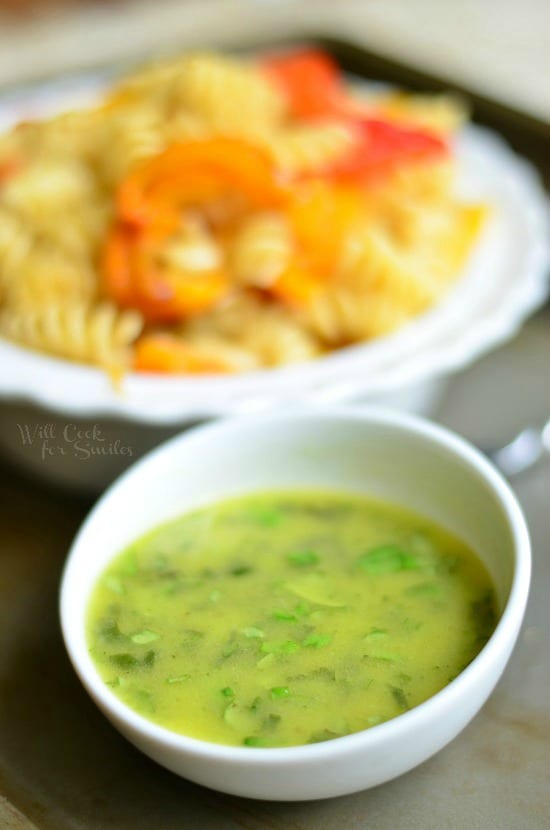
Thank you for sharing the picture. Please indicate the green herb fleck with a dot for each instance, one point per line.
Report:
(425, 589)
(129, 566)
(278, 692)
(110, 631)
(316, 640)
(400, 697)
(253, 740)
(387, 559)
(229, 649)
(149, 659)
(448, 564)
(228, 692)
(192, 637)
(285, 616)
(302, 558)
(266, 516)
(144, 700)
(124, 661)
(388, 656)
(483, 613)
(241, 570)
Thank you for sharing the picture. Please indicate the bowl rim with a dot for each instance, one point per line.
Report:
(396, 728)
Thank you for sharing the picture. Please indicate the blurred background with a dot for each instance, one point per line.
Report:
(500, 48)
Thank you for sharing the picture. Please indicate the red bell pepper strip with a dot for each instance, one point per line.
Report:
(382, 147)
(311, 82)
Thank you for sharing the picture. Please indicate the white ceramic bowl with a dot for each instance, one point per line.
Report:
(505, 280)
(395, 457)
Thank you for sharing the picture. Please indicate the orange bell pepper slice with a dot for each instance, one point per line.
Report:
(197, 171)
(296, 286)
(116, 268)
(133, 278)
(171, 296)
(149, 203)
(321, 214)
(9, 167)
(166, 353)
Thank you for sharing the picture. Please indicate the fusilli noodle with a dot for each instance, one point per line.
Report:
(261, 250)
(92, 334)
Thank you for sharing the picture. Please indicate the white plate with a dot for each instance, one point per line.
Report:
(506, 279)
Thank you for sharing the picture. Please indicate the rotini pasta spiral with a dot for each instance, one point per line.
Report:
(227, 94)
(45, 187)
(261, 250)
(303, 149)
(15, 244)
(444, 113)
(45, 277)
(259, 327)
(211, 347)
(193, 249)
(93, 334)
(354, 306)
(132, 135)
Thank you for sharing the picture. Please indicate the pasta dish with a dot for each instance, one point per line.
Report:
(214, 214)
